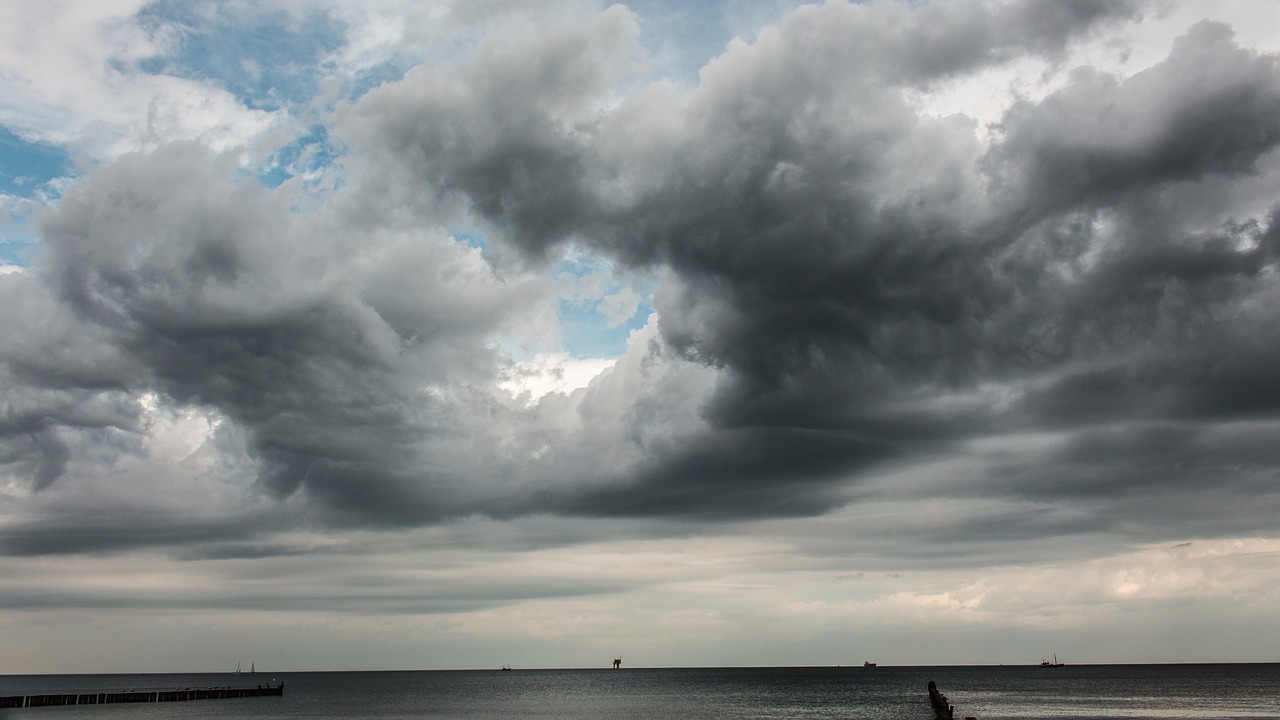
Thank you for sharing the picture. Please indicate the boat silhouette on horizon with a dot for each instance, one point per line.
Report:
(1055, 664)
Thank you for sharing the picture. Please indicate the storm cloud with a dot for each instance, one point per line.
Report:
(848, 264)
(843, 263)
(1055, 320)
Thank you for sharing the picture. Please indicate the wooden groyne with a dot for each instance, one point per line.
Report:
(130, 696)
(942, 708)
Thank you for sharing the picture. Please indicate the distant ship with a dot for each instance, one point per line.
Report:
(1046, 664)
(868, 663)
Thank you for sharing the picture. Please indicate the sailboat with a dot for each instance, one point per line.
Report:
(1055, 664)
(252, 671)
(237, 672)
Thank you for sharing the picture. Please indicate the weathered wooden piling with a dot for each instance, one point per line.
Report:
(942, 708)
(130, 696)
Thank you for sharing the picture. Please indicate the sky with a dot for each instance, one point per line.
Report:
(446, 334)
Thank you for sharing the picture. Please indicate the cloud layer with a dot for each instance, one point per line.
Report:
(1052, 323)
(852, 280)
(868, 281)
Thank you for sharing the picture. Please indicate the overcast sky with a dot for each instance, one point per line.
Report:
(400, 334)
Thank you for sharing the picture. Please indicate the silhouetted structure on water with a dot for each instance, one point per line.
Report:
(130, 696)
(942, 709)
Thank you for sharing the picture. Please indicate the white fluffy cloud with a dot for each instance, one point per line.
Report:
(71, 77)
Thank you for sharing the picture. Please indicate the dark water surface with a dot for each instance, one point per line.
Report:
(1079, 692)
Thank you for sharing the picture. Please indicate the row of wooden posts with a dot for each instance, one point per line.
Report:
(129, 696)
(942, 708)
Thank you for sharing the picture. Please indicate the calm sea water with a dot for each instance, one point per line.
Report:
(1078, 692)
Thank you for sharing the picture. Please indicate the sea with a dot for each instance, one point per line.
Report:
(1077, 692)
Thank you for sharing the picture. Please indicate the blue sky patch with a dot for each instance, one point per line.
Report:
(26, 166)
(12, 253)
(310, 153)
(377, 76)
(474, 238)
(586, 334)
(267, 58)
(18, 242)
(588, 290)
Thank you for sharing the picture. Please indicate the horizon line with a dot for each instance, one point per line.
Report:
(840, 666)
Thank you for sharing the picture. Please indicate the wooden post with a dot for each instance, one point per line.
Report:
(942, 709)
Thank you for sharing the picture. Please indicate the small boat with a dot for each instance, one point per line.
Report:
(506, 667)
(868, 664)
(1055, 664)
(237, 672)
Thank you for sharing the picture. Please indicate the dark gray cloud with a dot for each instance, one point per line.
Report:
(63, 387)
(1210, 108)
(107, 531)
(842, 259)
(326, 347)
(731, 474)
(500, 129)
